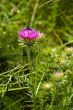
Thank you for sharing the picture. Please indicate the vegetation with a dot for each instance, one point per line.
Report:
(40, 76)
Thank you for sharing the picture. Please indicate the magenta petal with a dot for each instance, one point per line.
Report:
(29, 33)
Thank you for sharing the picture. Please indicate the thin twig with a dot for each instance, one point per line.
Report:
(46, 3)
(34, 12)
(29, 3)
(40, 83)
(50, 1)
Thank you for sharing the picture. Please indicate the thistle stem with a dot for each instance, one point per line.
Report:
(29, 58)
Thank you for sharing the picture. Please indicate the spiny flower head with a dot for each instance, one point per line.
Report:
(47, 86)
(29, 33)
(69, 49)
(58, 75)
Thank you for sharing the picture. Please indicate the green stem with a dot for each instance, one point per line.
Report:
(29, 58)
(31, 78)
(53, 98)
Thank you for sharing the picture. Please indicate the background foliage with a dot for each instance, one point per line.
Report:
(52, 54)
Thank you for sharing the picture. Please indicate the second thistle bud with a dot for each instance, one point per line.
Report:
(47, 86)
(57, 76)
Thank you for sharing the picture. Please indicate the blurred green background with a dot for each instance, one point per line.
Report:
(55, 19)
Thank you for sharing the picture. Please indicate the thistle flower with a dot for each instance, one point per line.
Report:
(47, 86)
(29, 33)
(69, 49)
(58, 75)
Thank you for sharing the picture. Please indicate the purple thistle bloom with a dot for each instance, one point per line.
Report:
(29, 33)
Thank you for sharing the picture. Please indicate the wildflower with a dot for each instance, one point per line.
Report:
(47, 86)
(69, 49)
(58, 75)
(29, 33)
